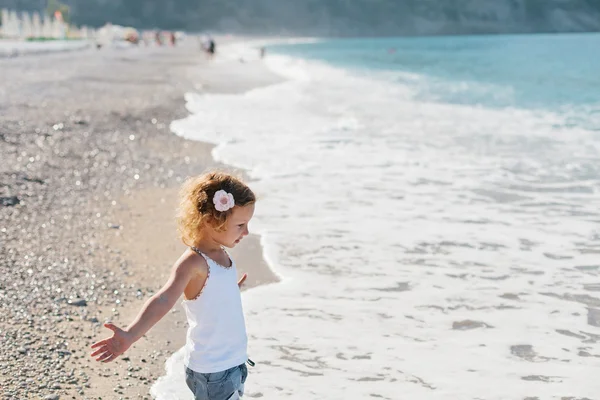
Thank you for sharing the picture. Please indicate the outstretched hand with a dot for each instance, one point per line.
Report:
(241, 281)
(112, 347)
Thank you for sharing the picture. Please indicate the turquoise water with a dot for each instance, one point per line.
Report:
(525, 71)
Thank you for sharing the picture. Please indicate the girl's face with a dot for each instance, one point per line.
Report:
(236, 227)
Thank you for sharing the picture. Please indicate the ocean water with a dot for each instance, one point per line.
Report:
(432, 205)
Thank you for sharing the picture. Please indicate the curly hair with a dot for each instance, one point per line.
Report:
(196, 207)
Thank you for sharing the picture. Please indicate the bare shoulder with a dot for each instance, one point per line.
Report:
(191, 263)
(187, 268)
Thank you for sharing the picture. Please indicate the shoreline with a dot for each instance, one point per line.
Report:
(103, 154)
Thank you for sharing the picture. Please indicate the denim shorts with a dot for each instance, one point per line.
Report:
(224, 385)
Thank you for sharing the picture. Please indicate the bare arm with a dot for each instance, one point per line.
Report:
(153, 310)
(158, 305)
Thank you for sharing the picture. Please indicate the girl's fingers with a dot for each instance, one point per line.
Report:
(99, 351)
(112, 327)
(100, 343)
(242, 279)
(109, 359)
(104, 356)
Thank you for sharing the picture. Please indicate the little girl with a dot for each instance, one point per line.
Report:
(214, 213)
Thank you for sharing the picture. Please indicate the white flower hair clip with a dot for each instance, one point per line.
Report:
(223, 201)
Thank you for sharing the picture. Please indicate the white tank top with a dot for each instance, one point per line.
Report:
(216, 337)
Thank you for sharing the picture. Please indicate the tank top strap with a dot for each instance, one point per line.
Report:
(207, 258)
(210, 261)
(231, 260)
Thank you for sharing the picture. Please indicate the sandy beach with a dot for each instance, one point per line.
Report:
(88, 186)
